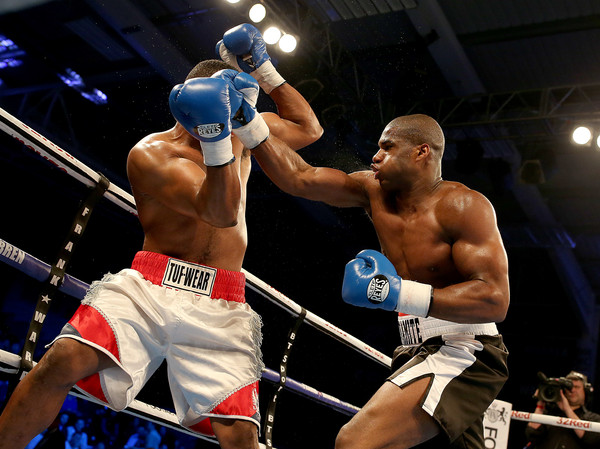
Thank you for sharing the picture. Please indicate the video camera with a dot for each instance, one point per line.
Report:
(549, 387)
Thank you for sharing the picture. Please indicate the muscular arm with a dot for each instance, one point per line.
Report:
(479, 255)
(295, 123)
(294, 176)
(181, 184)
(294, 127)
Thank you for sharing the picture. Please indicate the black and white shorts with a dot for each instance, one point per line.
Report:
(466, 374)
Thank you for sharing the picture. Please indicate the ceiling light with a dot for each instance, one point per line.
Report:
(257, 13)
(271, 35)
(582, 135)
(598, 143)
(95, 96)
(10, 62)
(287, 43)
(232, 1)
(72, 79)
(7, 44)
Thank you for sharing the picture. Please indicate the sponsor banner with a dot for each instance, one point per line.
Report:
(496, 424)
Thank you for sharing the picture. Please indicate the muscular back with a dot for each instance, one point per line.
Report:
(165, 171)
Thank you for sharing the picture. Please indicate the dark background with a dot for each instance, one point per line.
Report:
(506, 80)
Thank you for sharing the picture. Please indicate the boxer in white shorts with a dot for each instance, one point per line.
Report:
(193, 316)
(189, 183)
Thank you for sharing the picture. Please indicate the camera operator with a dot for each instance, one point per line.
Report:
(569, 402)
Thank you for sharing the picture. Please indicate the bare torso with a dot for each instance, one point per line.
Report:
(416, 239)
(169, 231)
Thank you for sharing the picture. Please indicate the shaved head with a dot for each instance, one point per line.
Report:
(419, 129)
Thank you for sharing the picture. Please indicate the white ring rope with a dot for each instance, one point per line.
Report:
(61, 159)
(286, 303)
(560, 421)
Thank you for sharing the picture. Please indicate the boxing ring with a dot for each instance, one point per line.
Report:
(75, 288)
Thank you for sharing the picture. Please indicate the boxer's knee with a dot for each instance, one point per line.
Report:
(235, 434)
(344, 437)
(68, 361)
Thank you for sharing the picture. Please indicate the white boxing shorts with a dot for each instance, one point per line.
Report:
(192, 315)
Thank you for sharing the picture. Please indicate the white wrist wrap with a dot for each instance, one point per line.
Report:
(268, 77)
(254, 133)
(217, 153)
(228, 57)
(415, 298)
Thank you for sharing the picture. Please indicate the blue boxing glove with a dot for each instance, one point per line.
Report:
(202, 107)
(371, 281)
(248, 124)
(243, 47)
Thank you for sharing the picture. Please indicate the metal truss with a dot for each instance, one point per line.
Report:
(337, 67)
(530, 113)
(44, 107)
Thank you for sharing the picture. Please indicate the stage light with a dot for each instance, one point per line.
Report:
(95, 96)
(582, 135)
(232, 1)
(257, 13)
(10, 62)
(271, 35)
(287, 43)
(9, 53)
(7, 44)
(72, 79)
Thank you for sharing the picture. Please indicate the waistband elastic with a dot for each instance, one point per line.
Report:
(161, 269)
(415, 330)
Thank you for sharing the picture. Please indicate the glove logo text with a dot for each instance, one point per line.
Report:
(210, 130)
(378, 289)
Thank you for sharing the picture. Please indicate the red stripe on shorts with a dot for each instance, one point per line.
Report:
(228, 285)
(203, 427)
(91, 385)
(92, 326)
(243, 402)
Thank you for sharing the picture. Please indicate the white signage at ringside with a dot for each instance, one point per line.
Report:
(496, 423)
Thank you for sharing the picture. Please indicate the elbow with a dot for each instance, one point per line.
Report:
(225, 223)
(499, 316)
(220, 221)
(499, 307)
(312, 131)
(315, 132)
(226, 217)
